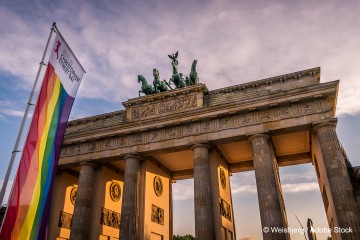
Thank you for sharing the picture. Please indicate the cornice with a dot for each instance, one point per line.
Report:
(198, 87)
(266, 101)
(95, 118)
(180, 136)
(271, 80)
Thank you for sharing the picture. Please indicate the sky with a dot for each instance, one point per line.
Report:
(233, 41)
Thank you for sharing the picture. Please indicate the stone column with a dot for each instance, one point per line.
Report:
(268, 184)
(204, 216)
(171, 220)
(341, 192)
(128, 223)
(81, 219)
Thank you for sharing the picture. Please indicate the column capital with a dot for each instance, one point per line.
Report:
(324, 124)
(200, 145)
(133, 155)
(88, 163)
(260, 135)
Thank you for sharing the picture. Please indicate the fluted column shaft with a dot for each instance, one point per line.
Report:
(204, 216)
(128, 223)
(345, 205)
(266, 182)
(81, 219)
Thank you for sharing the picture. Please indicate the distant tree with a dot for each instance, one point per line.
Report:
(186, 237)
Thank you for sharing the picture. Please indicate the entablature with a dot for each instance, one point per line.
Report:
(324, 93)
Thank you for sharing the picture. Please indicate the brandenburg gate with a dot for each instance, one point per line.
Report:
(116, 170)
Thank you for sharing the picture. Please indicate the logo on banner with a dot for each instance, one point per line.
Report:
(58, 44)
(66, 62)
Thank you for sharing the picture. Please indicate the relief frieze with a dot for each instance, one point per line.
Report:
(137, 139)
(157, 215)
(308, 108)
(191, 129)
(79, 148)
(110, 218)
(285, 112)
(245, 119)
(177, 104)
(225, 209)
(188, 130)
(154, 136)
(107, 144)
(65, 220)
(265, 116)
(196, 128)
(65, 151)
(171, 133)
(206, 126)
(121, 142)
(92, 146)
(225, 123)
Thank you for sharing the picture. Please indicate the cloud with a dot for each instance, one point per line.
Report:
(20, 44)
(183, 190)
(295, 176)
(244, 189)
(300, 187)
(9, 109)
(245, 183)
(286, 188)
(12, 112)
(234, 42)
(6, 103)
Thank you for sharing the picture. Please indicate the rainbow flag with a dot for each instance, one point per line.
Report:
(29, 202)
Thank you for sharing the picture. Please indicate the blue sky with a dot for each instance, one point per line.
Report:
(233, 41)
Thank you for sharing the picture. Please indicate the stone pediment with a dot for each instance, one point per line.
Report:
(166, 103)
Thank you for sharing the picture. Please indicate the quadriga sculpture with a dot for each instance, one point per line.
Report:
(145, 87)
(159, 85)
(194, 79)
(176, 77)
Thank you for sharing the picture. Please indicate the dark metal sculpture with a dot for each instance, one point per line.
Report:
(194, 79)
(115, 191)
(159, 85)
(158, 186)
(110, 218)
(64, 220)
(157, 215)
(225, 209)
(173, 57)
(178, 79)
(145, 87)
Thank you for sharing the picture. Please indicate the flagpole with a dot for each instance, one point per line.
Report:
(19, 136)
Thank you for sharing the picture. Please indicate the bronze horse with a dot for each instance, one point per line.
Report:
(159, 85)
(145, 87)
(176, 77)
